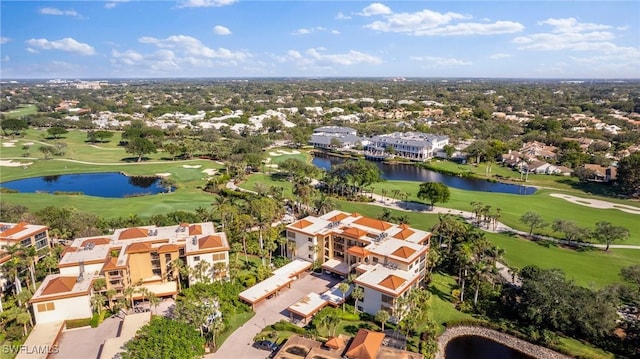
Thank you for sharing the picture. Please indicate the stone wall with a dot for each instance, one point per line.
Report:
(525, 347)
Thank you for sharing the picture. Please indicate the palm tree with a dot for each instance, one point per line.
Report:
(110, 293)
(218, 268)
(344, 287)
(382, 316)
(23, 317)
(200, 271)
(128, 293)
(357, 294)
(97, 302)
(217, 326)
(383, 192)
(154, 301)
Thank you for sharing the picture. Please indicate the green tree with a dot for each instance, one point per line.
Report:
(164, 338)
(629, 175)
(12, 126)
(140, 146)
(344, 288)
(435, 192)
(57, 131)
(607, 233)
(533, 220)
(382, 316)
(572, 232)
(47, 151)
(357, 294)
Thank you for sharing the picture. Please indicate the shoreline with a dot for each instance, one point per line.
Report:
(523, 346)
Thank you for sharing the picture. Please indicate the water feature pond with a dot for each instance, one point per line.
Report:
(108, 184)
(408, 172)
(471, 346)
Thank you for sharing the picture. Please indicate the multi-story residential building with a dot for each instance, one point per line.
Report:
(388, 259)
(415, 146)
(336, 137)
(24, 234)
(141, 257)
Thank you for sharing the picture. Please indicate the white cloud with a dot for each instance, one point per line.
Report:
(317, 57)
(58, 12)
(5, 59)
(431, 23)
(375, 9)
(113, 3)
(341, 16)
(4, 40)
(33, 51)
(571, 25)
(221, 30)
(206, 3)
(500, 56)
(473, 28)
(193, 47)
(441, 61)
(67, 44)
(311, 30)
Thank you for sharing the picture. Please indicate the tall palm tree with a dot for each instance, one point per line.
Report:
(154, 301)
(128, 293)
(218, 268)
(344, 287)
(382, 316)
(97, 302)
(357, 294)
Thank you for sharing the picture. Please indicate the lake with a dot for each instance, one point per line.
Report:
(471, 346)
(408, 172)
(108, 184)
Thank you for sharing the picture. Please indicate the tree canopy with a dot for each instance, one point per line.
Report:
(165, 338)
(629, 175)
(435, 192)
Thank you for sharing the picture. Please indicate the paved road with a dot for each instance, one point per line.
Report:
(239, 344)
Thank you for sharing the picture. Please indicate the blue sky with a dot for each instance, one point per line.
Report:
(228, 38)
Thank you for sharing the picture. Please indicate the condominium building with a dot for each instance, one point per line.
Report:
(26, 235)
(388, 259)
(142, 257)
(336, 137)
(414, 146)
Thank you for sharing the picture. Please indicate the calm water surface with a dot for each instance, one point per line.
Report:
(110, 185)
(474, 347)
(406, 172)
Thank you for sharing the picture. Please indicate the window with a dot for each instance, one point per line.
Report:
(375, 259)
(309, 239)
(40, 235)
(311, 248)
(26, 242)
(291, 234)
(387, 299)
(46, 307)
(310, 257)
(41, 243)
(219, 256)
(196, 258)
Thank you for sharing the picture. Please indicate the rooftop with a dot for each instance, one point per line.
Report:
(19, 231)
(387, 280)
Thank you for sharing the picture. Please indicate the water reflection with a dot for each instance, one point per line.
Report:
(475, 347)
(408, 172)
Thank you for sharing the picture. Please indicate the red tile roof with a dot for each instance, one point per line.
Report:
(13, 230)
(166, 248)
(392, 282)
(353, 232)
(131, 233)
(358, 251)
(404, 234)
(59, 285)
(303, 223)
(195, 229)
(210, 242)
(404, 252)
(139, 247)
(373, 223)
(338, 217)
(335, 343)
(365, 345)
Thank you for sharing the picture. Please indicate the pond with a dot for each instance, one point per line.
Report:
(471, 346)
(408, 172)
(108, 184)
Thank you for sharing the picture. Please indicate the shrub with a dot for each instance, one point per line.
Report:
(77, 323)
(95, 320)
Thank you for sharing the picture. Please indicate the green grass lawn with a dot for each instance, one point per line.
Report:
(22, 110)
(582, 350)
(441, 303)
(513, 206)
(587, 268)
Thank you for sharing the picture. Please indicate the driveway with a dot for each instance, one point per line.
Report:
(240, 344)
(85, 343)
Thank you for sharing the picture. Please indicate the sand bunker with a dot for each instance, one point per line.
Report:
(596, 203)
(210, 171)
(293, 152)
(191, 166)
(272, 165)
(8, 144)
(274, 154)
(10, 163)
(164, 174)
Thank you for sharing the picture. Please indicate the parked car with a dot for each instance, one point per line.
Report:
(266, 345)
